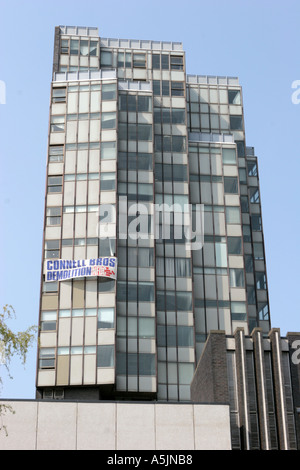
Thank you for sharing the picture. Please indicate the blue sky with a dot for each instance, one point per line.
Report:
(258, 41)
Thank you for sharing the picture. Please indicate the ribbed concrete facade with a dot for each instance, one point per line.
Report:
(259, 376)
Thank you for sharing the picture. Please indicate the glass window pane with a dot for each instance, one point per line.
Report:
(233, 215)
(108, 150)
(109, 91)
(258, 249)
(237, 278)
(106, 58)
(229, 156)
(261, 281)
(74, 47)
(254, 195)
(144, 104)
(256, 222)
(106, 317)
(186, 372)
(107, 181)
(155, 61)
(236, 123)
(234, 97)
(178, 116)
(146, 327)
(84, 47)
(234, 245)
(230, 185)
(108, 120)
(221, 255)
(146, 364)
(185, 336)
(252, 168)
(105, 356)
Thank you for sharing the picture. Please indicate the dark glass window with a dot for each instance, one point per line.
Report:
(244, 204)
(234, 245)
(236, 277)
(252, 168)
(177, 88)
(165, 88)
(178, 116)
(54, 184)
(144, 104)
(105, 355)
(74, 47)
(234, 97)
(106, 285)
(230, 185)
(139, 60)
(176, 62)
(240, 148)
(261, 281)
(254, 195)
(155, 61)
(249, 263)
(156, 87)
(236, 123)
(256, 222)
(165, 62)
(59, 95)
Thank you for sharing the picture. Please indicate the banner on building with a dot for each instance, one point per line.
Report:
(63, 270)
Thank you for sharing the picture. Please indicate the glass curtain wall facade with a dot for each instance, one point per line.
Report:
(129, 130)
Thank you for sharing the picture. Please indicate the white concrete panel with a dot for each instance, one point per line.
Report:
(174, 427)
(46, 378)
(47, 339)
(81, 192)
(54, 200)
(71, 132)
(65, 294)
(20, 425)
(64, 331)
(95, 101)
(83, 102)
(96, 426)
(90, 331)
(69, 193)
(211, 427)
(106, 336)
(72, 103)
(76, 370)
(94, 130)
(70, 161)
(57, 138)
(105, 375)
(91, 291)
(82, 159)
(83, 131)
(77, 331)
(135, 426)
(57, 420)
(80, 225)
(93, 191)
(89, 369)
(68, 221)
(94, 161)
(55, 168)
(52, 233)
